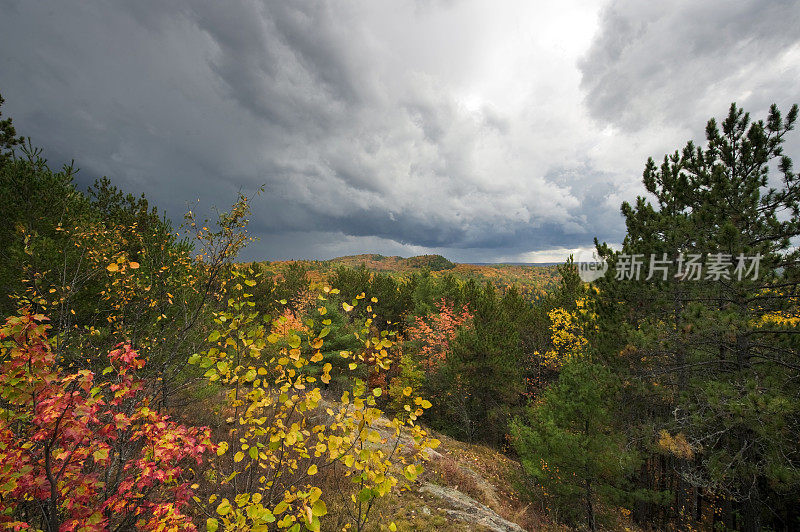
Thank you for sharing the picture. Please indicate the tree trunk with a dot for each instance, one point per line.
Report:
(751, 517)
(590, 517)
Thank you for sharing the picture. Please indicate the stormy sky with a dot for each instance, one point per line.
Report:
(484, 131)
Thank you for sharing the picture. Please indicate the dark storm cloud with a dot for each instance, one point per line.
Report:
(185, 100)
(397, 128)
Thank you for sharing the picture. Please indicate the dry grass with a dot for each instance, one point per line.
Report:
(489, 477)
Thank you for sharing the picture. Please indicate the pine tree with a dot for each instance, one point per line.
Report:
(716, 356)
(483, 374)
(568, 442)
(8, 136)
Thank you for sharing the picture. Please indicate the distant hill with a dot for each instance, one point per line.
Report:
(395, 263)
(532, 279)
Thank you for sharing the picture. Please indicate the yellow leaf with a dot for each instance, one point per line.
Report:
(410, 472)
(112, 267)
(224, 507)
(133, 265)
(319, 508)
(100, 454)
(312, 470)
(346, 307)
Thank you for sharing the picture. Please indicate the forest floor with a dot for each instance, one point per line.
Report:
(465, 487)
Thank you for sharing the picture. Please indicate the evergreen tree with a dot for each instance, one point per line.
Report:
(8, 137)
(482, 373)
(569, 443)
(716, 355)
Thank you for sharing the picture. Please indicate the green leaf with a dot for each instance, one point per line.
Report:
(319, 508)
(294, 341)
(224, 507)
(212, 524)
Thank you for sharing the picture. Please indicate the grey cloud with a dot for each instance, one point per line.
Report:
(362, 140)
(653, 62)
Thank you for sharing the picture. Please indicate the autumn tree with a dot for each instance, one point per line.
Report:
(283, 435)
(83, 451)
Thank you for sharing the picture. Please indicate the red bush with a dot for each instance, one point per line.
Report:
(80, 451)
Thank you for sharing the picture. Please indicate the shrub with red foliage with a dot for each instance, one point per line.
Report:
(80, 451)
(435, 333)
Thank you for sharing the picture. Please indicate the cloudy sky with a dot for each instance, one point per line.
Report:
(484, 131)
